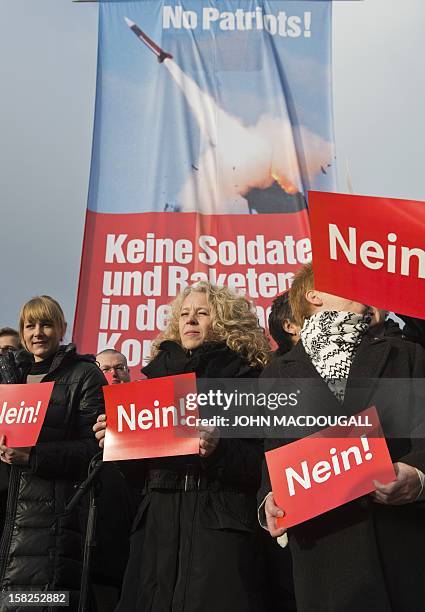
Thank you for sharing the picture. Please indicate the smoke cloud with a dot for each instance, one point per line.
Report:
(239, 158)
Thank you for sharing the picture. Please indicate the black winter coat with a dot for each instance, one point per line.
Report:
(40, 548)
(193, 541)
(362, 555)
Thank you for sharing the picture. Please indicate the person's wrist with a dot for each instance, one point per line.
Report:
(261, 512)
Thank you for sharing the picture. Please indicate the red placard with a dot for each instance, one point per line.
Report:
(147, 418)
(329, 468)
(22, 412)
(371, 250)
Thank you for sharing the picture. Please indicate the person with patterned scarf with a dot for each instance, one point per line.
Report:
(368, 553)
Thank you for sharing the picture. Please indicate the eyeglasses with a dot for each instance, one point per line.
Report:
(6, 349)
(117, 368)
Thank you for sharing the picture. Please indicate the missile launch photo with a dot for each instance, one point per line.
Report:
(264, 167)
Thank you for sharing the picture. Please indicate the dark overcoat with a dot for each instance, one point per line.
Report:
(363, 555)
(193, 545)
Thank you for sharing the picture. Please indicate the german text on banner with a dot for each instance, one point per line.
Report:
(371, 250)
(212, 121)
(325, 470)
(147, 418)
(22, 412)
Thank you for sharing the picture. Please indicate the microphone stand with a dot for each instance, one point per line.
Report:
(89, 485)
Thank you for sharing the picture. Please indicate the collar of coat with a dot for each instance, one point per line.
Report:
(367, 367)
(66, 353)
(210, 360)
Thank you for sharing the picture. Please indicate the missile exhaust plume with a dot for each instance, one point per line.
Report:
(238, 158)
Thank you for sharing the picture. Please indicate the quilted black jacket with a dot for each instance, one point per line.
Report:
(40, 548)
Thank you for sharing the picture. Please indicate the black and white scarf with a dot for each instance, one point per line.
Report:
(330, 339)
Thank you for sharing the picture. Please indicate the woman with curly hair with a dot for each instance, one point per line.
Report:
(225, 324)
(193, 541)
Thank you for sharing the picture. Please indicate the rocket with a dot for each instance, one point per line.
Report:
(160, 54)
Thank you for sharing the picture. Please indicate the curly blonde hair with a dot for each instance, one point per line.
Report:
(233, 322)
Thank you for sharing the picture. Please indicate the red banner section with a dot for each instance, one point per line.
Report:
(22, 412)
(147, 418)
(371, 250)
(329, 468)
(134, 265)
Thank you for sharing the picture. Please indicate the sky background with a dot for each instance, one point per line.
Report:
(47, 75)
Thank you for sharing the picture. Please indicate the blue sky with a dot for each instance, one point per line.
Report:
(48, 72)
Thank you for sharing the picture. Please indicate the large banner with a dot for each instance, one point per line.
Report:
(212, 121)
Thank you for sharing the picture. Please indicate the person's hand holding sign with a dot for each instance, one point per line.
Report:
(208, 440)
(99, 429)
(272, 513)
(14, 456)
(404, 490)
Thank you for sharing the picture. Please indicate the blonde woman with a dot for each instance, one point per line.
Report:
(193, 542)
(40, 550)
